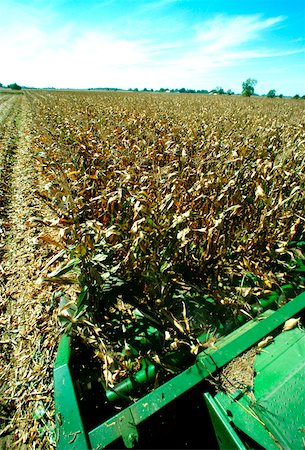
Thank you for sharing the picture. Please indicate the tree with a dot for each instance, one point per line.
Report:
(271, 93)
(248, 87)
(14, 86)
(296, 96)
(230, 92)
(219, 90)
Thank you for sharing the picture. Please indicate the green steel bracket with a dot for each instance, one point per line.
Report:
(128, 429)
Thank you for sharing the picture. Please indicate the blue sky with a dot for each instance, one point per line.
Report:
(199, 44)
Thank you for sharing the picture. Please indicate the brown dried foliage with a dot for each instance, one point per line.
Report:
(178, 196)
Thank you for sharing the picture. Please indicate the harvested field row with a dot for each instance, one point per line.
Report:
(8, 139)
(29, 327)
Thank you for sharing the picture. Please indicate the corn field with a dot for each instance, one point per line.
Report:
(166, 199)
(184, 210)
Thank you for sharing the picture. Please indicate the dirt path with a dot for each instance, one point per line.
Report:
(29, 329)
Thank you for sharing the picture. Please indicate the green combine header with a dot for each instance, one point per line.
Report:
(203, 406)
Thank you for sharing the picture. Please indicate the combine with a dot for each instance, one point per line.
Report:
(243, 390)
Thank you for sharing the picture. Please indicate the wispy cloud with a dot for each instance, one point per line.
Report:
(226, 41)
(226, 32)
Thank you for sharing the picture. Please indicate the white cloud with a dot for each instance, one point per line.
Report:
(67, 57)
(36, 53)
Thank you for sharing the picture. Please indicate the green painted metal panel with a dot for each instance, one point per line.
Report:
(274, 416)
(280, 358)
(242, 414)
(69, 425)
(226, 436)
(279, 388)
(63, 352)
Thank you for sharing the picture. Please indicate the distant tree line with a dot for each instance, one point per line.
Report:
(13, 86)
(185, 91)
(247, 90)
